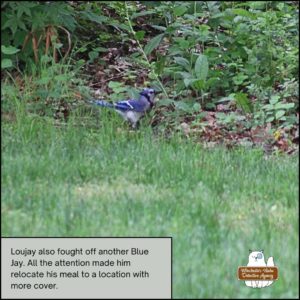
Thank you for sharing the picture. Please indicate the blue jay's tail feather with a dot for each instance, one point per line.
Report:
(102, 103)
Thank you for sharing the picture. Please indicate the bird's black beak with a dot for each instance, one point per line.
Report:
(157, 92)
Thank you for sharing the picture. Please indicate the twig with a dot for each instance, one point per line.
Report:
(47, 40)
(69, 40)
(27, 37)
(142, 51)
(35, 48)
(109, 79)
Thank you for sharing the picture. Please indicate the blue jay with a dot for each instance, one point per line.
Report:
(132, 110)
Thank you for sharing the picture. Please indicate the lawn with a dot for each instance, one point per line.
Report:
(78, 180)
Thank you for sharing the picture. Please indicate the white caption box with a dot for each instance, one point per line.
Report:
(80, 268)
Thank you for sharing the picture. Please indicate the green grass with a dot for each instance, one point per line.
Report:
(216, 204)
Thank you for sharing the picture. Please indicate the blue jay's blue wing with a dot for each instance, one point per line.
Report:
(134, 105)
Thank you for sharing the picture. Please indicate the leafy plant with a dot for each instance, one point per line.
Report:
(30, 21)
(276, 110)
(7, 62)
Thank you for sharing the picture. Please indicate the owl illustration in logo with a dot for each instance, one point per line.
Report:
(257, 259)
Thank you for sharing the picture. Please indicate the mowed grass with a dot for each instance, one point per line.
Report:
(216, 204)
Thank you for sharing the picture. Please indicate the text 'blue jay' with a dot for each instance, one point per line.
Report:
(134, 109)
